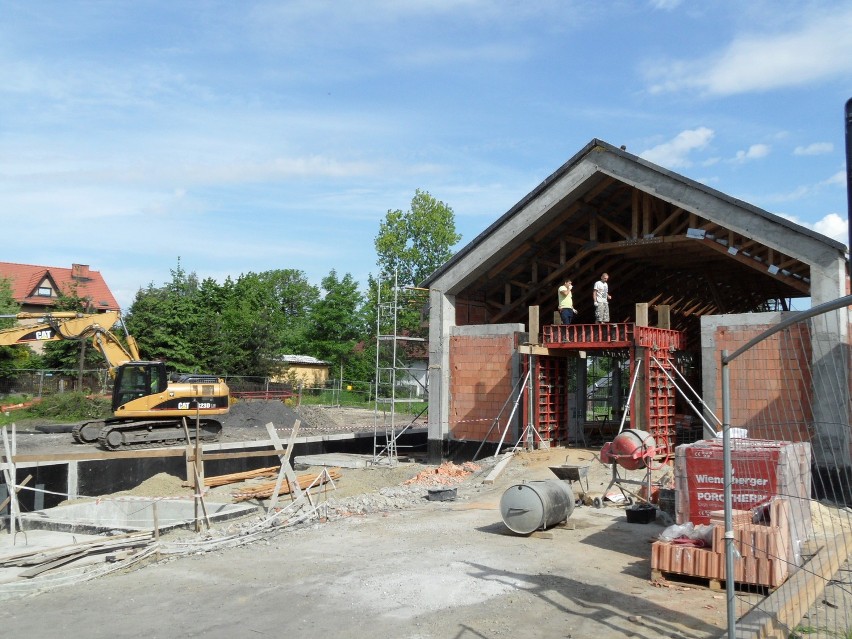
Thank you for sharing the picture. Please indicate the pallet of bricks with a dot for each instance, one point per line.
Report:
(763, 550)
(771, 476)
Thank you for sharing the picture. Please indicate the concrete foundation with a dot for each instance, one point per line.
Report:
(129, 514)
(63, 480)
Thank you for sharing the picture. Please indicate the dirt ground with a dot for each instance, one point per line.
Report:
(246, 421)
(385, 561)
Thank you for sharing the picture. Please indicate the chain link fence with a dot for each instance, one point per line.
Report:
(332, 393)
(786, 489)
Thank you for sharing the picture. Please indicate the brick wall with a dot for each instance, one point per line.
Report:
(770, 383)
(480, 384)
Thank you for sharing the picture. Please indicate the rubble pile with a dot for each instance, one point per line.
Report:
(446, 474)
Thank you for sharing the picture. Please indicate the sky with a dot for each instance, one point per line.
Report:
(237, 137)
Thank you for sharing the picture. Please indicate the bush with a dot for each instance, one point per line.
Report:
(71, 406)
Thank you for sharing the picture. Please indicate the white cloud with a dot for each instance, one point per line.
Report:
(754, 152)
(817, 148)
(833, 226)
(819, 49)
(675, 153)
(665, 5)
(837, 178)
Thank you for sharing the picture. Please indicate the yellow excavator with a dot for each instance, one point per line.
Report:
(148, 408)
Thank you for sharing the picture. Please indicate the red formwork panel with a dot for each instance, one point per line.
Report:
(659, 339)
(658, 418)
(615, 335)
(550, 398)
(660, 410)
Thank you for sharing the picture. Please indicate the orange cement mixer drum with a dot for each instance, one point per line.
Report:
(630, 449)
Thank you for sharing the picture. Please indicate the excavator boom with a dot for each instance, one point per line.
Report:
(63, 326)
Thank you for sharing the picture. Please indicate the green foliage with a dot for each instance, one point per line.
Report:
(237, 328)
(410, 246)
(414, 244)
(337, 325)
(69, 407)
(8, 305)
(11, 357)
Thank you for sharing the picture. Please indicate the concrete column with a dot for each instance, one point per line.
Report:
(664, 316)
(73, 480)
(442, 316)
(641, 314)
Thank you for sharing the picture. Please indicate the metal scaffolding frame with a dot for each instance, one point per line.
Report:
(389, 366)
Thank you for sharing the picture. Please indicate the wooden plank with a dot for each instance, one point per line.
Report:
(95, 455)
(40, 555)
(249, 453)
(37, 570)
(17, 490)
(286, 468)
(142, 454)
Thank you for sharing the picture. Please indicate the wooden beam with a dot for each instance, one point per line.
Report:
(801, 286)
(95, 455)
(671, 217)
(623, 232)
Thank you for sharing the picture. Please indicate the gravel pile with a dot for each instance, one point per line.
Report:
(258, 413)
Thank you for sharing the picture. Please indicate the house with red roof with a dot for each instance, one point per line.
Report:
(37, 288)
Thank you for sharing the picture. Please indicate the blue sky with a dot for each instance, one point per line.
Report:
(250, 136)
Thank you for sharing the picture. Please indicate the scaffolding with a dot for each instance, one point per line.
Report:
(392, 369)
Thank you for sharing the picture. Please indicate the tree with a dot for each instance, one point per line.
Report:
(415, 243)
(163, 321)
(11, 357)
(410, 247)
(337, 325)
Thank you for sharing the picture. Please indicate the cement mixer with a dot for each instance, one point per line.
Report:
(631, 449)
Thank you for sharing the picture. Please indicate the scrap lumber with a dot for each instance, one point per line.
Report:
(41, 554)
(42, 560)
(265, 490)
(233, 478)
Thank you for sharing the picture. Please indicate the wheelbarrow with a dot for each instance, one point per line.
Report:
(573, 473)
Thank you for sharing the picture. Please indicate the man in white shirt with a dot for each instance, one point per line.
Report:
(601, 298)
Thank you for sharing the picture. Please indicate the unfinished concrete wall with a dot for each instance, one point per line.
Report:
(484, 365)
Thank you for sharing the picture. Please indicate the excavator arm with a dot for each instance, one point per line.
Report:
(74, 326)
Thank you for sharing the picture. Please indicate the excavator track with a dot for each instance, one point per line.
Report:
(135, 434)
(87, 432)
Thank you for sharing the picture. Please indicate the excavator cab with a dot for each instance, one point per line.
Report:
(138, 379)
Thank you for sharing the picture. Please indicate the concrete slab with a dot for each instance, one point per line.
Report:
(339, 460)
(128, 514)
